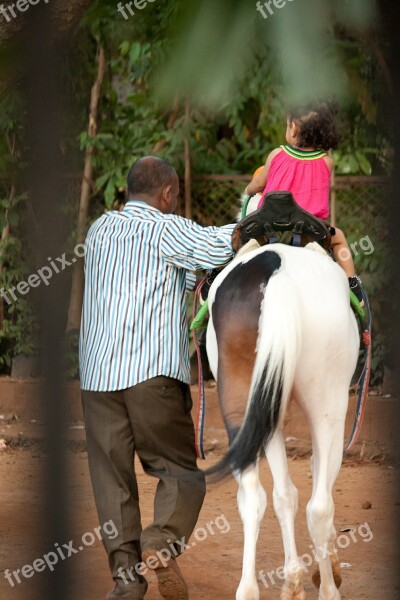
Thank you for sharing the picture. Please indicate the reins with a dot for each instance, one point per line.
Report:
(366, 372)
(199, 425)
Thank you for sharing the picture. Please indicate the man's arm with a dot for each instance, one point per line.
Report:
(191, 279)
(189, 246)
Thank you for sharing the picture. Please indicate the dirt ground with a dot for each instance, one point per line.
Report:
(366, 496)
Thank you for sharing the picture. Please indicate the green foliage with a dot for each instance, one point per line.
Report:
(19, 331)
(233, 137)
(353, 163)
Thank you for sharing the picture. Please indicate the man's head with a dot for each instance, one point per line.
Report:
(154, 181)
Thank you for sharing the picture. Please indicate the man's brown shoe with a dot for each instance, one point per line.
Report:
(114, 596)
(121, 592)
(171, 583)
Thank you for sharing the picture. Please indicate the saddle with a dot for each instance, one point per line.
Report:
(280, 219)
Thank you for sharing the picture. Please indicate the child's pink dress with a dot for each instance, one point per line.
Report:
(305, 174)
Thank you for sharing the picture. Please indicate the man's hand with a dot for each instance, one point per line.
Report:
(236, 240)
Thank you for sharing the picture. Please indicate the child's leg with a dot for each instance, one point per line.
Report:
(342, 253)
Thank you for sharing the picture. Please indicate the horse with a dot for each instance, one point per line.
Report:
(281, 329)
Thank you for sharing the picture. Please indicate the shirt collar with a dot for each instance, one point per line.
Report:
(141, 205)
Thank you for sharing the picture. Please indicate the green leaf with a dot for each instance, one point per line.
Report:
(364, 163)
(134, 53)
(100, 181)
(348, 165)
(124, 48)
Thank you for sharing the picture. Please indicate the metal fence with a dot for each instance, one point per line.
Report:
(358, 204)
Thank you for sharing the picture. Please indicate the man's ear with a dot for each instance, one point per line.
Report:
(166, 197)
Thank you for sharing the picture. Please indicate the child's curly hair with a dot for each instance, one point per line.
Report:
(316, 120)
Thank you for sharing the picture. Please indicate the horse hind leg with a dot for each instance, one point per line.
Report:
(251, 497)
(252, 502)
(327, 436)
(285, 498)
(234, 378)
(316, 576)
(328, 562)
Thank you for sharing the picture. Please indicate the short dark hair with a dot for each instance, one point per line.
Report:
(316, 120)
(148, 175)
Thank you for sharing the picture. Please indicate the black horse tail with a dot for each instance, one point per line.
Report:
(272, 378)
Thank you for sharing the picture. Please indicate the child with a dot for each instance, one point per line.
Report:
(304, 168)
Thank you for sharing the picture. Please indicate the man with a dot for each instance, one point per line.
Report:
(134, 363)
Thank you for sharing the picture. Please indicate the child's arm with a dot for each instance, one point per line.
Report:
(329, 162)
(258, 183)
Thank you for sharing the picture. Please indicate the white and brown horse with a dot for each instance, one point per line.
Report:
(281, 329)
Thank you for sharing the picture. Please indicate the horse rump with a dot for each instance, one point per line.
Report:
(271, 296)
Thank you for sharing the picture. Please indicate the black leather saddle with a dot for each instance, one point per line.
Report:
(280, 219)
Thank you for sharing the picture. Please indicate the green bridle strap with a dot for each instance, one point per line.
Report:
(355, 303)
(244, 206)
(201, 318)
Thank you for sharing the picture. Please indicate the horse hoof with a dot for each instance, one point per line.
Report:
(248, 593)
(316, 577)
(299, 596)
(293, 588)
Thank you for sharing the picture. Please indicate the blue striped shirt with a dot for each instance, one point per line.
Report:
(138, 265)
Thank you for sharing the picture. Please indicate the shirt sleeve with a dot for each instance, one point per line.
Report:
(190, 281)
(187, 245)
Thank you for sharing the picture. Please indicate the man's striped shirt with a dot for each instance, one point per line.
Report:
(138, 265)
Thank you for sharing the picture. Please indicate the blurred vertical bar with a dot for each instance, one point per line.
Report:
(390, 18)
(45, 71)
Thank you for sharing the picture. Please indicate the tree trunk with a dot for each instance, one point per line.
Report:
(75, 305)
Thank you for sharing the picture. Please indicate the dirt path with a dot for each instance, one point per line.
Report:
(211, 565)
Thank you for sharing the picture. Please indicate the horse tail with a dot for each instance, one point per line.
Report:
(272, 378)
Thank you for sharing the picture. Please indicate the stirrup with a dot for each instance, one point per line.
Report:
(211, 276)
